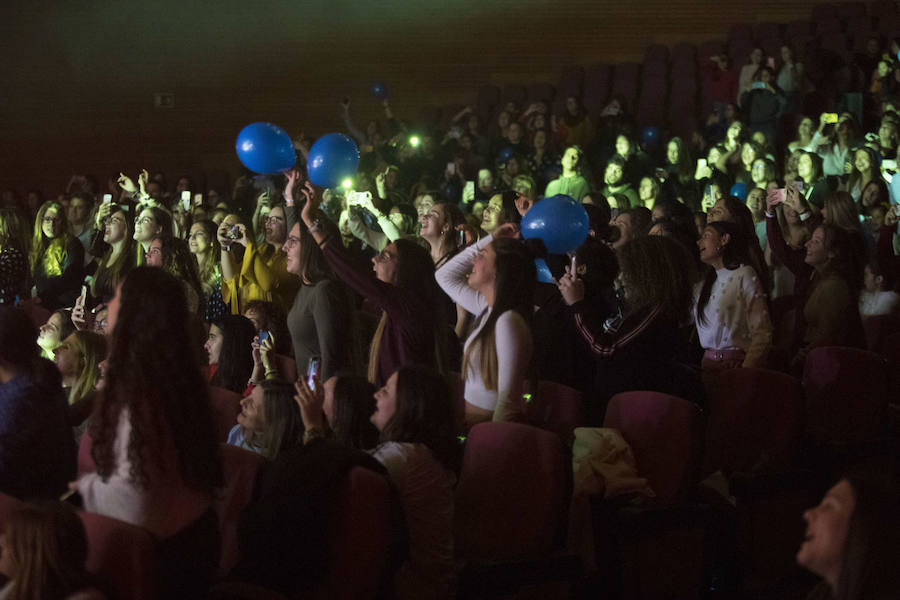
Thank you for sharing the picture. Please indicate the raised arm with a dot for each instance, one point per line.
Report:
(453, 278)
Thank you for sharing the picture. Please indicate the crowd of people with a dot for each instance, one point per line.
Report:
(740, 247)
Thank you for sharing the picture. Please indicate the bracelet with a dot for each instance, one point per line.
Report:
(312, 433)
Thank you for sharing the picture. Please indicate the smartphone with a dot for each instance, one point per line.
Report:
(263, 336)
(186, 200)
(235, 233)
(198, 199)
(461, 239)
(358, 198)
(830, 117)
(107, 198)
(451, 168)
(312, 371)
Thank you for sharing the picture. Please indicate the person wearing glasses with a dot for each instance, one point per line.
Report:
(262, 274)
(57, 258)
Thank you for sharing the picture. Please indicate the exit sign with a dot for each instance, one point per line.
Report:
(163, 100)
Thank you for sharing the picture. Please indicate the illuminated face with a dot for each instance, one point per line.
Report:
(198, 240)
(48, 334)
(146, 227)
(711, 244)
(115, 228)
(623, 146)
(758, 172)
(626, 233)
(154, 256)
(423, 204)
(385, 403)
(673, 153)
(51, 224)
(734, 131)
(613, 174)
(433, 222)
(484, 268)
(862, 161)
(291, 248)
(748, 155)
(756, 201)
(253, 414)
(490, 217)
(804, 166)
(213, 344)
(713, 157)
(805, 129)
(68, 360)
(485, 181)
(570, 160)
(276, 228)
(385, 264)
(645, 190)
(827, 526)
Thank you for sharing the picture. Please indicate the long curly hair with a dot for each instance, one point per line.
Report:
(154, 374)
(178, 260)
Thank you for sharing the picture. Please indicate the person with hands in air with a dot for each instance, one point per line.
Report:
(116, 248)
(494, 279)
(344, 403)
(401, 283)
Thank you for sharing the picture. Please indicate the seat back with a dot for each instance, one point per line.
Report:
(121, 556)
(557, 408)
(846, 395)
(754, 423)
(513, 491)
(664, 433)
(361, 535)
(226, 406)
(240, 469)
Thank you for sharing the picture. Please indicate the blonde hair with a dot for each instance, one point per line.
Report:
(91, 350)
(51, 252)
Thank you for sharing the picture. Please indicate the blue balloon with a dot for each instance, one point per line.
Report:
(380, 91)
(559, 221)
(333, 158)
(265, 148)
(650, 136)
(505, 154)
(543, 271)
(739, 190)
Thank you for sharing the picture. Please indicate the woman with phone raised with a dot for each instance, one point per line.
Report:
(401, 283)
(262, 273)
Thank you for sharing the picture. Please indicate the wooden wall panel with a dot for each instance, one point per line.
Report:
(78, 77)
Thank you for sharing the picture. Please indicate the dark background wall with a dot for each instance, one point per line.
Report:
(78, 77)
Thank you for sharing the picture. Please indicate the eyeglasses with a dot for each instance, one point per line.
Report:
(273, 219)
(52, 219)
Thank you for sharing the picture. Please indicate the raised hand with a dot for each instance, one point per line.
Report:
(571, 287)
(310, 402)
(126, 183)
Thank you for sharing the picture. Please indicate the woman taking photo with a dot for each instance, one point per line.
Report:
(204, 246)
(262, 274)
(730, 311)
(13, 259)
(56, 258)
(154, 442)
(401, 283)
(494, 280)
(117, 252)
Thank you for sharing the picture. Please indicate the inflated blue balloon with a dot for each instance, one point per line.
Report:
(505, 154)
(265, 148)
(650, 136)
(559, 221)
(543, 271)
(333, 158)
(739, 190)
(380, 91)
